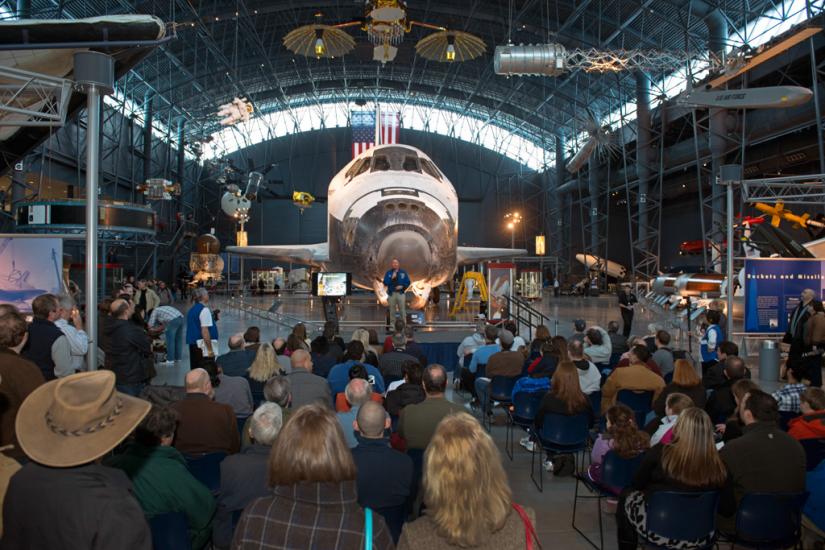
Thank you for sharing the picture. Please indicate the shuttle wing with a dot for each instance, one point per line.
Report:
(308, 254)
(471, 254)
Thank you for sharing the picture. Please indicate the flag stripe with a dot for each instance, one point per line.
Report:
(363, 130)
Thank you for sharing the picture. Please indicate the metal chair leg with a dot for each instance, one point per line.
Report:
(540, 484)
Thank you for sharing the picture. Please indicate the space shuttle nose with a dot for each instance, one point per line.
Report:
(410, 248)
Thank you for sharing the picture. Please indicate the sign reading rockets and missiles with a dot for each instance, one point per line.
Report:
(773, 287)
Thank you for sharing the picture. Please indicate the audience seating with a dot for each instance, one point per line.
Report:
(525, 407)
(170, 531)
(206, 468)
(596, 404)
(560, 434)
(769, 520)
(501, 390)
(236, 518)
(814, 452)
(669, 377)
(640, 401)
(614, 360)
(681, 516)
(617, 473)
(417, 456)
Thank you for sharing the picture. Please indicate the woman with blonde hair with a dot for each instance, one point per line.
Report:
(264, 367)
(469, 502)
(689, 463)
(314, 501)
(685, 381)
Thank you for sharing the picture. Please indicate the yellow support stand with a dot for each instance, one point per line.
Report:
(461, 295)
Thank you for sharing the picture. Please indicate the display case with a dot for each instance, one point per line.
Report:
(530, 284)
(269, 277)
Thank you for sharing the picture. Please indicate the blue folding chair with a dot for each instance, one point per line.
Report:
(170, 531)
(394, 517)
(617, 473)
(785, 418)
(560, 434)
(236, 518)
(769, 520)
(682, 516)
(206, 468)
(641, 402)
(501, 390)
(523, 412)
(596, 405)
(814, 452)
(417, 456)
(668, 377)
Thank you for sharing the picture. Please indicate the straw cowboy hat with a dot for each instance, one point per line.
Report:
(76, 419)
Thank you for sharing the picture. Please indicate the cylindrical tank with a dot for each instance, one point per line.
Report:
(769, 361)
(533, 59)
(704, 285)
(664, 284)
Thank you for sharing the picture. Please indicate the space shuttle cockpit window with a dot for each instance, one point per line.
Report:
(430, 169)
(411, 164)
(357, 168)
(380, 163)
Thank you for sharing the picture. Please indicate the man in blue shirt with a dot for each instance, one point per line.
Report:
(397, 280)
(483, 354)
(200, 325)
(338, 377)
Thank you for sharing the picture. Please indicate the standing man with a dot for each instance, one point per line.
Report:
(795, 335)
(47, 347)
(70, 324)
(170, 320)
(627, 301)
(200, 327)
(397, 280)
(130, 350)
(164, 294)
(146, 298)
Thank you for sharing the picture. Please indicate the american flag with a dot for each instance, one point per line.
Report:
(363, 130)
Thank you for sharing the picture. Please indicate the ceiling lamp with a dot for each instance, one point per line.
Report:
(386, 23)
(319, 41)
(449, 46)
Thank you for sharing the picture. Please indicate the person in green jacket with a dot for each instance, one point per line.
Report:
(161, 482)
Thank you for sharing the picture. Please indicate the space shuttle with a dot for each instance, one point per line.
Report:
(389, 202)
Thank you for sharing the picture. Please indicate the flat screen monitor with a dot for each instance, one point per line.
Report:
(331, 284)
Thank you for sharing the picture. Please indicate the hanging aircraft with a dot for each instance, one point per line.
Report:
(390, 201)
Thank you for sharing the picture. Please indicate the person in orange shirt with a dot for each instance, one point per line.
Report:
(811, 425)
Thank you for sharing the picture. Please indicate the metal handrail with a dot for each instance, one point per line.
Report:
(532, 315)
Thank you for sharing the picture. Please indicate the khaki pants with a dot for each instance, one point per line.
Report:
(397, 302)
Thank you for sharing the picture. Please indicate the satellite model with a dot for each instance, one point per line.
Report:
(238, 110)
(386, 23)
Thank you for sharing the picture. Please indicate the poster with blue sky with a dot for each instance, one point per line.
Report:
(772, 289)
(29, 267)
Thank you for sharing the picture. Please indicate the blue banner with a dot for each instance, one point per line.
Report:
(773, 287)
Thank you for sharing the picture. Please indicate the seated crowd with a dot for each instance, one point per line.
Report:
(322, 443)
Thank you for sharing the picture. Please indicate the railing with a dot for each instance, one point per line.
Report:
(525, 314)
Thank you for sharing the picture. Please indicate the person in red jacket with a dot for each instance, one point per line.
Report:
(811, 425)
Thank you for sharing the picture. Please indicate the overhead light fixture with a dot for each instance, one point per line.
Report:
(450, 52)
(540, 245)
(320, 48)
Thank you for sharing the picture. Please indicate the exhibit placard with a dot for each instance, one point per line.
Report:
(30, 265)
(773, 287)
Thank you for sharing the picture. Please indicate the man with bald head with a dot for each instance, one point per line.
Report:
(385, 476)
(306, 387)
(204, 426)
(418, 421)
(238, 359)
(129, 349)
(357, 392)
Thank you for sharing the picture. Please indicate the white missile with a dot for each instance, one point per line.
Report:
(770, 97)
(595, 263)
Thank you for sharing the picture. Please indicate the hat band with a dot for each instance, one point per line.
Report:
(84, 431)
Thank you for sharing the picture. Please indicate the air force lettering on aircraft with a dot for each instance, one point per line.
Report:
(388, 202)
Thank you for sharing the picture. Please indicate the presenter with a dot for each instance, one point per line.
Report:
(397, 281)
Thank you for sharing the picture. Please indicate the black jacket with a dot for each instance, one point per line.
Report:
(384, 475)
(550, 404)
(243, 479)
(403, 395)
(129, 351)
(83, 508)
(721, 403)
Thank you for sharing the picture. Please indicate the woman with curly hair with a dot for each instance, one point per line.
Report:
(622, 436)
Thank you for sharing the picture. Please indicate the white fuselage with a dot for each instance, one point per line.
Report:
(393, 202)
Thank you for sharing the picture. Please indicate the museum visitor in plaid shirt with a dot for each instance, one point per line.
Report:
(788, 396)
(314, 500)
